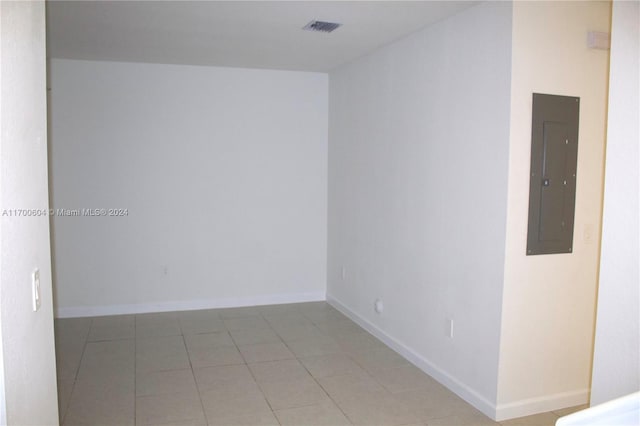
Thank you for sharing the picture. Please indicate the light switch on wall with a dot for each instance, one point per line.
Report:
(449, 328)
(35, 289)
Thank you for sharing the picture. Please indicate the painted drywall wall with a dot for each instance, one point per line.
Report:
(548, 311)
(616, 359)
(418, 151)
(28, 358)
(222, 173)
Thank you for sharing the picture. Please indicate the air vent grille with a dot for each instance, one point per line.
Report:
(322, 26)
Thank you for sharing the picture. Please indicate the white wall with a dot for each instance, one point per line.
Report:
(223, 173)
(616, 363)
(28, 358)
(549, 300)
(418, 151)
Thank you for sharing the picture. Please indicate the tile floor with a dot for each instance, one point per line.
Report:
(299, 364)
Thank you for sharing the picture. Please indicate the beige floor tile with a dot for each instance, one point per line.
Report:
(367, 382)
(156, 325)
(291, 332)
(331, 365)
(209, 378)
(323, 316)
(245, 323)
(165, 382)
(467, 416)
(287, 320)
(210, 357)
(350, 386)
(255, 336)
(68, 330)
(315, 306)
(340, 327)
(308, 347)
(177, 408)
(202, 314)
(542, 419)
(265, 352)
(570, 410)
(161, 354)
(68, 357)
(73, 326)
(197, 326)
(380, 359)
(433, 403)
(233, 402)
(208, 340)
(96, 395)
(100, 412)
(221, 391)
(104, 387)
(196, 322)
(359, 342)
(403, 378)
(283, 309)
(293, 393)
(65, 387)
(327, 414)
(112, 328)
(377, 409)
(108, 358)
(102, 400)
(255, 419)
(242, 312)
(289, 369)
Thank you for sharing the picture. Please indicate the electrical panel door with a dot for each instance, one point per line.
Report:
(552, 189)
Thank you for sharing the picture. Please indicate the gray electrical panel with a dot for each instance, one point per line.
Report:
(552, 189)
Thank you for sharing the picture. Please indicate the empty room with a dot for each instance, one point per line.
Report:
(319, 213)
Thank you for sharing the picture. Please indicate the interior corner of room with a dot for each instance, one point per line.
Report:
(393, 184)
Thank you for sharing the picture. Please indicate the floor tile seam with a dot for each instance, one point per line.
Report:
(367, 372)
(193, 375)
(413, 412)
(322, 387)
(151, 336)
(75, 376)
(117, 339)
(264, 396)
(166, 393)
(270, 329)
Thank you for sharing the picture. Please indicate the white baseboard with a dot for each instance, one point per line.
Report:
(187, 305)
(527, 407)
(498, 413)
(457, 387)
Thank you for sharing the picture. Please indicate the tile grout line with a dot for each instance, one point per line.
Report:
(273, 412)
(315, 379)
(344, 350)
(75, 377)
(193, 374)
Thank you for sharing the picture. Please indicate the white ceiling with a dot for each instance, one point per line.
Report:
(253, 34)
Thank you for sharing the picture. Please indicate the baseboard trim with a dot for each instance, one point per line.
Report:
(499, 412)
(457, 387)
(541, 404)
(187, 305)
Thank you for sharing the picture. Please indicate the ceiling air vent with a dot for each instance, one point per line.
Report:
(325, 27)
